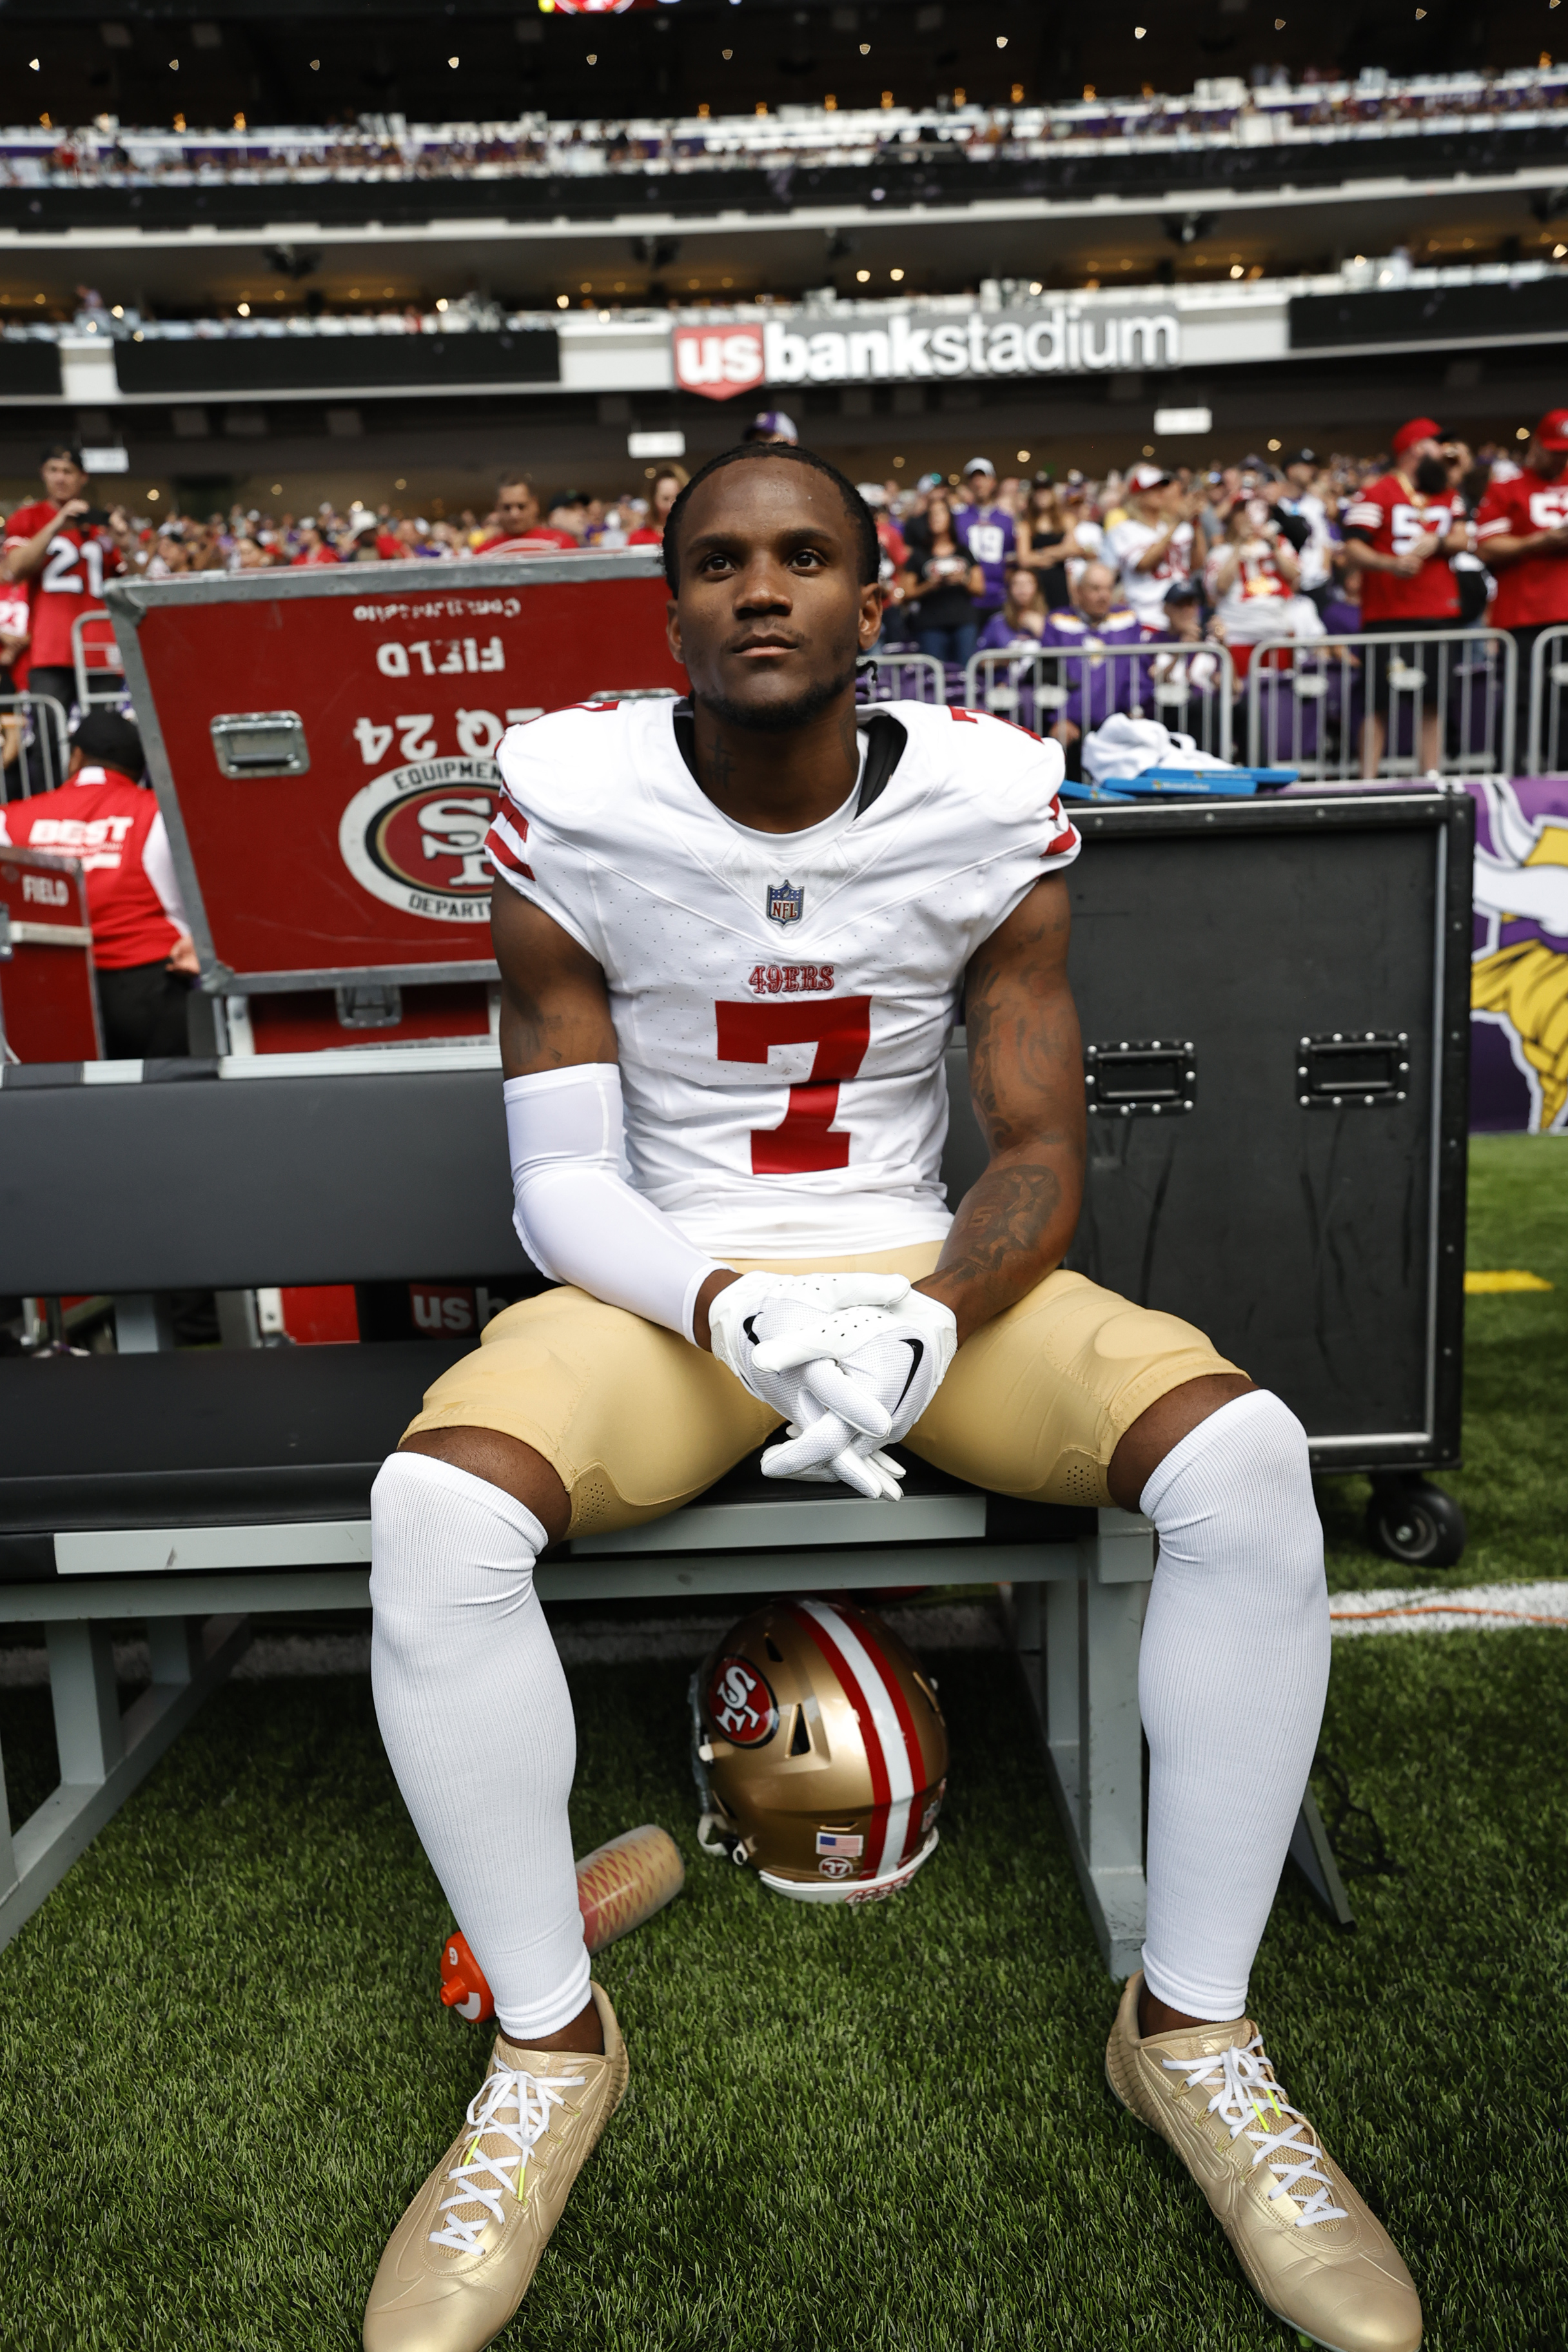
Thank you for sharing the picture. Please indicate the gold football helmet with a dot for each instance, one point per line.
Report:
(820, 1752)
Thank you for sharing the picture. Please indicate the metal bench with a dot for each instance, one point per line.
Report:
(190, 1489)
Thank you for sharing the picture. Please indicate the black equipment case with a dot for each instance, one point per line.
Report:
(1275, 1000)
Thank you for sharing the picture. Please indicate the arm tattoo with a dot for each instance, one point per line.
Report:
(1025, 1075)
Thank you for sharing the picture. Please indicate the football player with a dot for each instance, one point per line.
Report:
(733, 935)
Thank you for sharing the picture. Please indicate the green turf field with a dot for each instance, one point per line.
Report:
(224, 2069)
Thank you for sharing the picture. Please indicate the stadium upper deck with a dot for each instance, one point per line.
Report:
(537, 214)
(1223, 135)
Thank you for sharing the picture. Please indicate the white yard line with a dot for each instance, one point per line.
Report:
(1474, 1609)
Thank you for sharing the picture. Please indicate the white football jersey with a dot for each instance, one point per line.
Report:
(782, 1002)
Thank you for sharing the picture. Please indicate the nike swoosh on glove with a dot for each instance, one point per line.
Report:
(816, 1300)
(887, 1365)
(788, 1339)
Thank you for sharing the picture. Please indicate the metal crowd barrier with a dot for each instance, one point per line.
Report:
(1548, 703)
(33, 745)
(109, 670)
(1190, 689)
(1309, 703)
(900, 675)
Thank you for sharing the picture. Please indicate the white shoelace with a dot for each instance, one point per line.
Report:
(529, 2099)
(1248, 2094)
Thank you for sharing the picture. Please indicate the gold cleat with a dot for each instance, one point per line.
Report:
(1311, 2251)
(462, 2258)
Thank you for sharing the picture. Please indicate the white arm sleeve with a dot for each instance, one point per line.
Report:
(158, 865)
(576, 1216)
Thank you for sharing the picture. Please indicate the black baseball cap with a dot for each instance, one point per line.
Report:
(1300, 457)
(105, 736)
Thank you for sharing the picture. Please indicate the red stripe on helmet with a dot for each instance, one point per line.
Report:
(901, 1708)
(882, 1787)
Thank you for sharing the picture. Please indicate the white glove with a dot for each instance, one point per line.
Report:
(886, 1365)
(788, 1335)
(809, 1332)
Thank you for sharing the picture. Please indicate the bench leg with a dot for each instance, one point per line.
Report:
(174, 1647)
(104, 1755)
(1077, 1640)
(1315, 1858)
(141, 1323)
(86, 1702)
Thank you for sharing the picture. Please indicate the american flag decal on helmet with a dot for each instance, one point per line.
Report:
(892, 1742)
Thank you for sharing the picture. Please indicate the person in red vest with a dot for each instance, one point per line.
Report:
(142, 946)
(1400, 532)
(1521, 532)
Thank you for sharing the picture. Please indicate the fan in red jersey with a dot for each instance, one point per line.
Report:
(1400, 534)
(142, 949)
(520, 531)
(1521, 529)
(64, 548)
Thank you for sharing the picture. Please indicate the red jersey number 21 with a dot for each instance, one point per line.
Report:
(840, 1028)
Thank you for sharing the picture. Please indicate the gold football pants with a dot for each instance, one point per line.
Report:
(635, 1421)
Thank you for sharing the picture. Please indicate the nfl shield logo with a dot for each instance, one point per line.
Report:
(785, 903)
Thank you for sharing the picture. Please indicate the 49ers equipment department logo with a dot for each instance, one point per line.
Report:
(416, 837)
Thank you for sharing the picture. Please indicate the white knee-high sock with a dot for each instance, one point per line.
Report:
(476, 1716)
(1231, 1679)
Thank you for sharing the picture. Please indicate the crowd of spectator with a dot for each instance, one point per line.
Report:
(245, 538)
(1433, 537)
(1226, 112)
(1170, 563)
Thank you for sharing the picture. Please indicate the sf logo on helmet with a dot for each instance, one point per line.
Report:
(740, 1703)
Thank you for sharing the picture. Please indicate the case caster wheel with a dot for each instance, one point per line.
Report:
(1410, 1519)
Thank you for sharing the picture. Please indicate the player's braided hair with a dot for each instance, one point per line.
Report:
(750, 453)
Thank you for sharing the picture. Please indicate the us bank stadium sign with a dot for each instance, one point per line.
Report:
(721, 359)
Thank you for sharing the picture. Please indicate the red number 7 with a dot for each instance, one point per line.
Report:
(841, 1029)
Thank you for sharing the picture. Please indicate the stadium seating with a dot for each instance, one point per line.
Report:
(393, 172)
